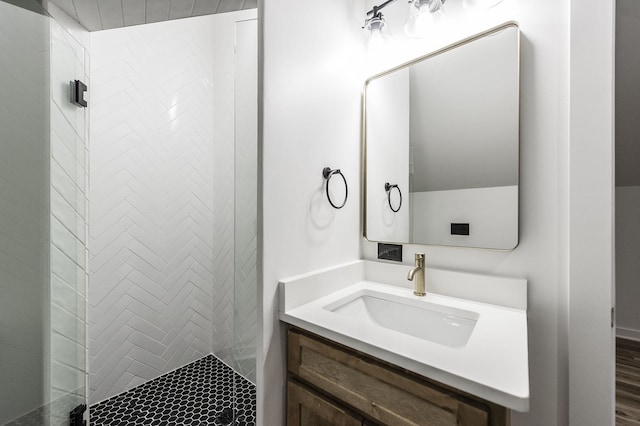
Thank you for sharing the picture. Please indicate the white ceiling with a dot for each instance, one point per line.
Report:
(97, 15)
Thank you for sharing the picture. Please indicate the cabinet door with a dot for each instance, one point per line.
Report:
(307, 408)
(385, 395)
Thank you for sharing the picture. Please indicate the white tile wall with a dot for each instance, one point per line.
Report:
(151, 291)
(24, 133)
(162, 206)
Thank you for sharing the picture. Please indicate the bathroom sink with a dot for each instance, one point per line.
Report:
(424, 320)
(469, 332)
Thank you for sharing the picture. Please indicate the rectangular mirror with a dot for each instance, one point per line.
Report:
(441, 146)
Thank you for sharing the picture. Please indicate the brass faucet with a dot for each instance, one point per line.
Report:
(418, 272)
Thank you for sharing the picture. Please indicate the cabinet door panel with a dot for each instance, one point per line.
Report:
(385, 395)
(306, 408)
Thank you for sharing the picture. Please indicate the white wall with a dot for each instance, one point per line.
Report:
(627, 265)
(591, 365)
(311, 119)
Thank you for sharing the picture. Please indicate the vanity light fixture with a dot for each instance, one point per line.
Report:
(375, 22)
(418, 17)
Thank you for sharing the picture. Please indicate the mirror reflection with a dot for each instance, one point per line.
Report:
(441, 146)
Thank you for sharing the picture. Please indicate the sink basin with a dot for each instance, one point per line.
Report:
(428, 321)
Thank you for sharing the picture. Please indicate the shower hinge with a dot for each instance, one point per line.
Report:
(78, 90)
(76, 416)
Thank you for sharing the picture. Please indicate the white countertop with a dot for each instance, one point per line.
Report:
(493, 364)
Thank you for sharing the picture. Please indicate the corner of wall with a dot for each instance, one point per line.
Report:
(77, 31)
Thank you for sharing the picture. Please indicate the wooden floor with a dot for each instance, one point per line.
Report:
(627, 382)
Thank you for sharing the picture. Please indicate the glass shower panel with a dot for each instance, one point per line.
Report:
(43, 210)
(24, 194)
(246, 196)
(69, 227)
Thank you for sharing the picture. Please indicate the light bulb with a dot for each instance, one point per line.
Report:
(422, 14)
(378, 30)
(417, 7)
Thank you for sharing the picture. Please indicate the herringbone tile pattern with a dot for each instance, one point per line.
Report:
(152, 257)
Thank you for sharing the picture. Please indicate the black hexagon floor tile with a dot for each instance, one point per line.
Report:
(205, 392)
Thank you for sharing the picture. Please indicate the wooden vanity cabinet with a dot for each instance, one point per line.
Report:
(331, 384)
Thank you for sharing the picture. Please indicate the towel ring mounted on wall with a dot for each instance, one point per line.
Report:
(388, 187)
(328, 173)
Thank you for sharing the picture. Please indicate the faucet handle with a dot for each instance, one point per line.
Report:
(420, 259)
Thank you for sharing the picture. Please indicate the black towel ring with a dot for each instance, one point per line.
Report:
(388, 187)
(327, 173)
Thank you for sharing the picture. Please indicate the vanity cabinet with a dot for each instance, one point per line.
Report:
(331, 384)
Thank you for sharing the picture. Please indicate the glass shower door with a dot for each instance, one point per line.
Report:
(24, 245)
(246, 198)
(69, 159)
(245, 221)
(42, 221)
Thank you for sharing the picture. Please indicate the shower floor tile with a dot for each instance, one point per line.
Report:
(205, 392)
